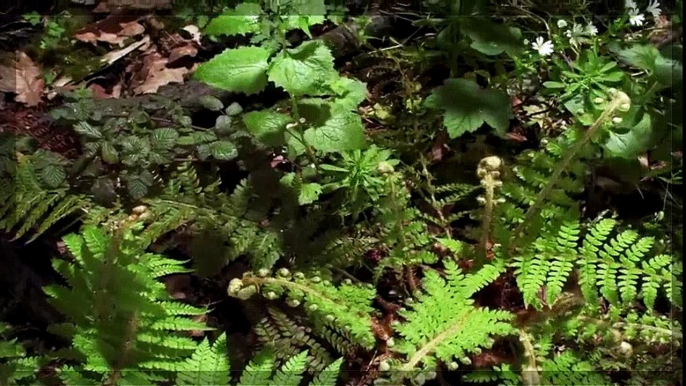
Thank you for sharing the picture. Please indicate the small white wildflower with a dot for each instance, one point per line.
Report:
(654, 8)
(636, 19)
(591, 30)
(575, 34)
(629, 4)
(561, 24)
(544, 48)
(526, 42)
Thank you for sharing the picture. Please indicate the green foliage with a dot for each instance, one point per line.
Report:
(15, 367)
(364, 227)
(347, 306)
(34, 196)
(120, 333)
(466, 107)
(444, 324)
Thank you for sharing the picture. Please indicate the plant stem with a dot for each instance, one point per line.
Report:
(618, 100)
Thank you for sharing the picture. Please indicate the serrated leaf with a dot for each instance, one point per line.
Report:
(164, 138)
(350, 92)
(244, 19)
(304, 70)
(137, 185)
(87, 130)
(223, 150)
(301, 14)
(342, 131)
(53, 175)
(267, 126)
(640, 56)
(309, 193)
(466, 107)
(238, 70)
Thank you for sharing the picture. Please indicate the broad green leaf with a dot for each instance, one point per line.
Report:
(301, 14)
(350, 92)
(223, 150)
(53, 175)
(303, 70)
(633, 143)
(466, 107)
(267, 126)
(640, 56)
(244, 19)
(342, 131)
(309, 193)
(492, 39)
(239, 70)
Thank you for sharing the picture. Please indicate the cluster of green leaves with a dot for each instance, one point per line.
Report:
(321, 115)
(132, 147)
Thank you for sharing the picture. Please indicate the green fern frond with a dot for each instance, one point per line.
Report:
(444, 324)
(347, 305)
(124, 333)
(209, 365)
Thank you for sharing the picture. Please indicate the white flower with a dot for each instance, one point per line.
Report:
(575, 34)
(636, 19)
(591, 30)
(561, 23)
(544, 48)
(654, 8)
(629, 4)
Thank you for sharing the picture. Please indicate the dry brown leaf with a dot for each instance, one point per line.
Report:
(99, 92)
(24, 78)
(156, 74)
(114, 29)
(179, 52)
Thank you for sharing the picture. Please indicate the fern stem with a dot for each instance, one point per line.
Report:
(530, 375)
(433, 343)
(619, 99)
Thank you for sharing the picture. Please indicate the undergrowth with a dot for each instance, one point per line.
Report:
(368, 242)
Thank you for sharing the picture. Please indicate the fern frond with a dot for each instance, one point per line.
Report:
(444, 324)
(209, 365)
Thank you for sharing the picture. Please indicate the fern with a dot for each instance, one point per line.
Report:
(122, 323)
(208, 365)
(285, 337)
(28, 206)
(347, 306)
(444, 324)
(618, 266)
(15, 367)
